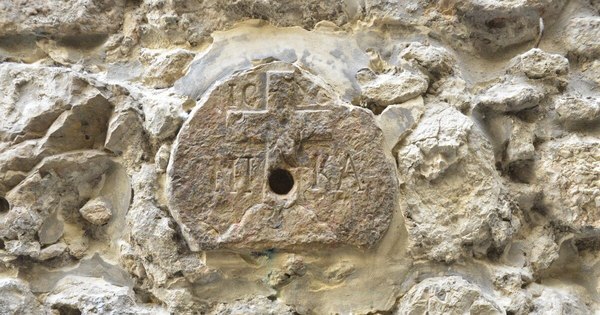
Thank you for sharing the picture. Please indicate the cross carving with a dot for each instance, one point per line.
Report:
(299, 124)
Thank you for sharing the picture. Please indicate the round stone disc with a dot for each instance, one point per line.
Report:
(270, 159)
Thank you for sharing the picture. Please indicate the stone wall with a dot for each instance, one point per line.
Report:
(299, 157)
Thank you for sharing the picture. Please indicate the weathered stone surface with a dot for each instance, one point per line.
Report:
(48, 111)
(33, 201)
(126, 132)
(543, 248)
(82, 127)
(436, 61)
(97, 211)
(568, 170)
(520, 145)
(52, 251)
(557, 301)
(16, 298)
(496, 24)
(164, 68)
(576, 112)
(485, 113)
(255, 306)
(391, 88)
(163, 113)
(389, 12)
(155, 248)
(162, 158)
(397, 121)
(22, 248)
(591, 71)
(538, 64)
(255, 42)
(34, 97)
(60, 18)
(511, 97)
(285, 167)
(86, 295)
(293, 267)
(582, 37)
(447, 295)
(454, 91)
(183, 21)
(456, 204)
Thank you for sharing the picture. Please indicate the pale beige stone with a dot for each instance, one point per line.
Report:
(156, 250)
(36, 199)
(89, 295)
(456, 202)
(52, 251)
(259, 305)
(97, 211)
(568, 171)
(17, 298)
(163, 68)
(497, 24)
(387, 89)
(510, 97)
(581, 37)
(447, 295)
(436, 61)
(577, 113)
(65, 18)
(520, 145)
(538, 64)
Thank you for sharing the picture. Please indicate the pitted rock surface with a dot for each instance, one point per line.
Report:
(271, 159)
(299, 157)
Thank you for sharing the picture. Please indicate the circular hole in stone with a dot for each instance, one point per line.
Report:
(281, 181)
(4, 205)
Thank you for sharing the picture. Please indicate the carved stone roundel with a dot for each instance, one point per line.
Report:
(270, 159)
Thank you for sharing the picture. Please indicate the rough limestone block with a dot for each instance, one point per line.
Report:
(392, 88)
(447, 295)
(52, 251)
(576, 113)
(497, 24)
(571, 167)
(582, 37)
(16, 298)
(60, 18)
(97, 211)
(511, 97)
(538, 64)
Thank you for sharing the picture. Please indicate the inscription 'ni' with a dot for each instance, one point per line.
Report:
(234, 175)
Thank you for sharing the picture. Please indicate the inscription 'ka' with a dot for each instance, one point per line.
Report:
(271, 159)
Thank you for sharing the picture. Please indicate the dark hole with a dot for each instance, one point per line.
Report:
(4, 205)
(496, 23)
(83, 41)
(281, 181)
(521, 171)
(66, 309)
